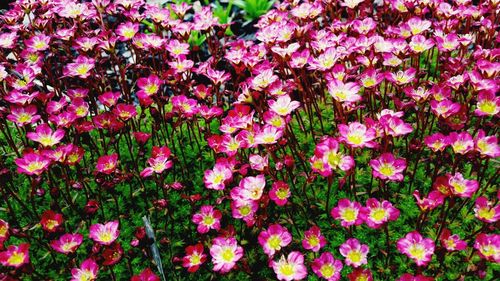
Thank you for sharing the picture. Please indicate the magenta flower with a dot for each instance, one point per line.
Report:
(452, 242)
(487, 145)
(283, 105)
(409, 277)
(268, 135)
(225, 253)
(349, 213)
(487, 104)
(488, 246)
(327, 267)
(274, 238)
(243, 209)
(402, 77)
(107, 164)
(159, 161)
(208, 218)
(328, 158)
(360, 274)
(45, 136)
(67, 243)
(15, 256)
(126, 31)
(486, 211)
(279, 193)
(444, 108)
(344, 92)
(217, 177)
(32, 164)
(355, 253)
(461, 142)
(81, 67)
(417, 248)
(386, 167)
(194, 257)
(249, 189)
(104, 234)
(290, 268)
(86, 272)
(23, 115)
(436, 142)
(462, 187)
(434, 199)
(357, 135)
(313, 240)
(377, 213)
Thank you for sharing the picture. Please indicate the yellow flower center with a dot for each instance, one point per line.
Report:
(287, 269)
(16, 258)
(245, 210)
(151, 89)
(386, 170)
(24, 118)
(195, 259)
(105, 237)
(417, 251)
(208, 220)
(378, 214)
(82, 69)
(488, 107)
(327, 270)
(486, 213)
(34, 166)
(313, 240)
(274, 242)
(227, 255)
(354, 256)
(355, 139)
(349, 214)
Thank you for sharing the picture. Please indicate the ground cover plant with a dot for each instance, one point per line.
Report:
(318, 140)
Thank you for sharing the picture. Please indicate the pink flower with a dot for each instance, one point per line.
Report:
(146, 275)
(81, 67)
(461, 142)
(377, 213)
(217, 177)
(87, 272)
(258, 162)
(107, 164)
(290, 268)
(279, 193)
(125, 111)
(268, 135)
(327, 267)
(487, 104)
(159, 162)
(208, 218)
(23, 115)
(250, 188)
(15, 256)
(328, 158)
(486, 211)
(416, 247)
(194, 257)
(452, 242)
(263, 79)
(274, 238)
(419, 44)
(243, 209)
(344, 92)
(434, 199)
(45, 136)
(104, 234)
(488, 246)
(357, 135)
(386, 167)
(444, 108)
(436, 142)
(283, 105)
(409, 277)
(67, 243)
(355, 253)
(313, 240)
(225, 253)
(402, 77)
(462, 187)
(487, 145)
(360, 274)
(126, 31)
(32, 164)
(349, 213)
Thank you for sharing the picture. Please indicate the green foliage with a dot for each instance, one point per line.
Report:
(254, 8)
